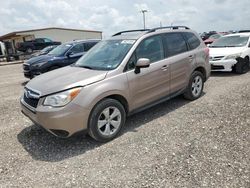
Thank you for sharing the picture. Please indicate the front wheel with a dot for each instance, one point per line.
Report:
(106, 120)
(242, 65)
(195, 86)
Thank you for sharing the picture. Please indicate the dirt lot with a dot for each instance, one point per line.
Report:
(205, 143)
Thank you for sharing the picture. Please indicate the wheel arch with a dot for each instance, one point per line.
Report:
(201, 70)
(120, 99)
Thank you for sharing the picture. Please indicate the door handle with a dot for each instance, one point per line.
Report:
(191, 57)
(164, 68)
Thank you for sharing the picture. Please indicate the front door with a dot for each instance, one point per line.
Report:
(151, 83)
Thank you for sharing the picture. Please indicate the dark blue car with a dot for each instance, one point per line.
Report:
(61, 56)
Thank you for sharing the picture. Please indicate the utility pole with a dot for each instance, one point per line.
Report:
(144, 21)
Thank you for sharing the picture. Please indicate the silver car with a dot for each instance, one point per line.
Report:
(127, 73)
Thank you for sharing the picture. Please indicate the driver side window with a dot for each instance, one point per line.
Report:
(150, 48)
(78, 48)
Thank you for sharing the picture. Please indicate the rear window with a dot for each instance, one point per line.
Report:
(175, 44)
(192, 40)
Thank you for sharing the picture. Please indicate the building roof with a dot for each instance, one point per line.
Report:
(16, 33)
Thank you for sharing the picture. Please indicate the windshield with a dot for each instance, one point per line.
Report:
(106, 55)
(46, 49)
(60, 50)
(230, 41)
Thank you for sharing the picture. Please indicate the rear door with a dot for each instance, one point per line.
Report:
(180, 60)
(151, 83)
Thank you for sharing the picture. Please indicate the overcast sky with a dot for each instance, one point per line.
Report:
(111, 16)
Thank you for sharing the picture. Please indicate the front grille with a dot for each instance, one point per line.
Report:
(26, 67)
(216, 58)
(31, 97)
(217, 67)
(32, 102)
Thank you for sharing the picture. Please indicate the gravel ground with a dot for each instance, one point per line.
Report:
(204, 143)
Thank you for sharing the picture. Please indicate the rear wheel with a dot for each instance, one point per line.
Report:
(195, 86)
(106, 120)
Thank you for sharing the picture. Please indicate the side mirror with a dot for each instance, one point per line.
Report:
(69, 54)
(141, 63)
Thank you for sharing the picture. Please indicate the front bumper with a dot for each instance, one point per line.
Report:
(30, 72)
(62, 122)
(223, 65)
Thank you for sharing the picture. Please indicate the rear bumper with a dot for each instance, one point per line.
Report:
(61, 122)
(223, 65)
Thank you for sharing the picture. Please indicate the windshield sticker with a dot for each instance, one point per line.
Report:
(127, 42)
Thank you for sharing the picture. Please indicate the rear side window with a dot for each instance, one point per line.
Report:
(175, 44)
(192, 40)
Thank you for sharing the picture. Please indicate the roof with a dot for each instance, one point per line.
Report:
(16, 33)
(136, 34)
(83, 41)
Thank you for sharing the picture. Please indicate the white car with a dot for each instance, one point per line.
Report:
(231, 52)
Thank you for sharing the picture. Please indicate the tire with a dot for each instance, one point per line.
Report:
(108, 127)
(242, 65)
(195, 86)
(29, 50)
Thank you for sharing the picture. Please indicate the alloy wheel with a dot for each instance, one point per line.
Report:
(109, 121)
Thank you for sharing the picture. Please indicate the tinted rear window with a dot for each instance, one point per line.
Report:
(192, 40)
(175, 44)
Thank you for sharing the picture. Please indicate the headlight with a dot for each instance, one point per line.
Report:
(39, 64)
(61, 99)
(233, 56)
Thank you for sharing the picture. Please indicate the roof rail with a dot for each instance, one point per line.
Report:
(130, 31)
(168, 27)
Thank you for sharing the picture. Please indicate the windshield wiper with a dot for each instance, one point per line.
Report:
(85, 66)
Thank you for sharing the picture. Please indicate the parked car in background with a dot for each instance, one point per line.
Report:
(127, 73)
(61, 56)
(244, 31)
(231, 52)
(44, 51)
(37, 44)
(205, 35)
(212, 38)
(2, 50)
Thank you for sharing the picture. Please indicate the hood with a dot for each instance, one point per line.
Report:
(40, 59)
(65, 78)
(225, 51)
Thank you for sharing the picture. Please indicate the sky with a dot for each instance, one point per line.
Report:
(111, 16)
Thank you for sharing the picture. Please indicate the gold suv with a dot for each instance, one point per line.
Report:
(127, 73)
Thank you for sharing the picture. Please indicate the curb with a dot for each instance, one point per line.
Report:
(14, 63)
